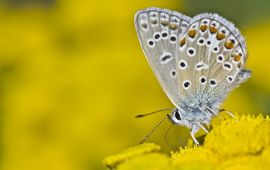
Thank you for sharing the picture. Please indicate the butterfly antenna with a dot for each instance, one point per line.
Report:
(153, 130)
(165, 138)
(161, 110)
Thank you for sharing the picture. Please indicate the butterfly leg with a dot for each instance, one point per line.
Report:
(229, 113)
(203, 128)
(193, 131)
(213, 112)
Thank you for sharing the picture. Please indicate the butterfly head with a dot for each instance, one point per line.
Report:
(177, 117)
(189, 118)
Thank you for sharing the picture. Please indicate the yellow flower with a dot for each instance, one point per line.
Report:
(145, 148)
(244, 135)
(241, 143)
(194, 158)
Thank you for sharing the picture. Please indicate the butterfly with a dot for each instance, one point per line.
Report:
(197, 61)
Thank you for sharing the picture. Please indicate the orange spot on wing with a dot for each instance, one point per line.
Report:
(229, 44)
(213, 30)
(173, 26)
(144, 25)
(192, 33)
(203, 27)
(182, 42)
(220, 36)
(237, 58)
(164, 23)
(154, 22)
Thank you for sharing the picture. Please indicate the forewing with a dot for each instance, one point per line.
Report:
(158, 31)
(211, 56)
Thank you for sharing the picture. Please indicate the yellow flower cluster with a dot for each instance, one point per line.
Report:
(241, 143)
(114, 160)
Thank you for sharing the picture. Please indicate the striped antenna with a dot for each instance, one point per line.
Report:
(161, 110)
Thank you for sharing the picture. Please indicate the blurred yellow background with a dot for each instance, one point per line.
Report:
(73, 75)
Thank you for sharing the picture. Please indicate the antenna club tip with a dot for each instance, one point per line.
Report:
(141, 142)
(138, 116)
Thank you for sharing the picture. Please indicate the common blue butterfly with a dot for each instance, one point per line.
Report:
(197, 61)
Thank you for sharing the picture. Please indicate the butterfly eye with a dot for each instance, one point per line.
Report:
(177, 115)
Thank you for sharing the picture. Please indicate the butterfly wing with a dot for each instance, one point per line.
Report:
(211, 57)
(158, 31)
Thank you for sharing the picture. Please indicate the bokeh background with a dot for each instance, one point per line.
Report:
(73, 75)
